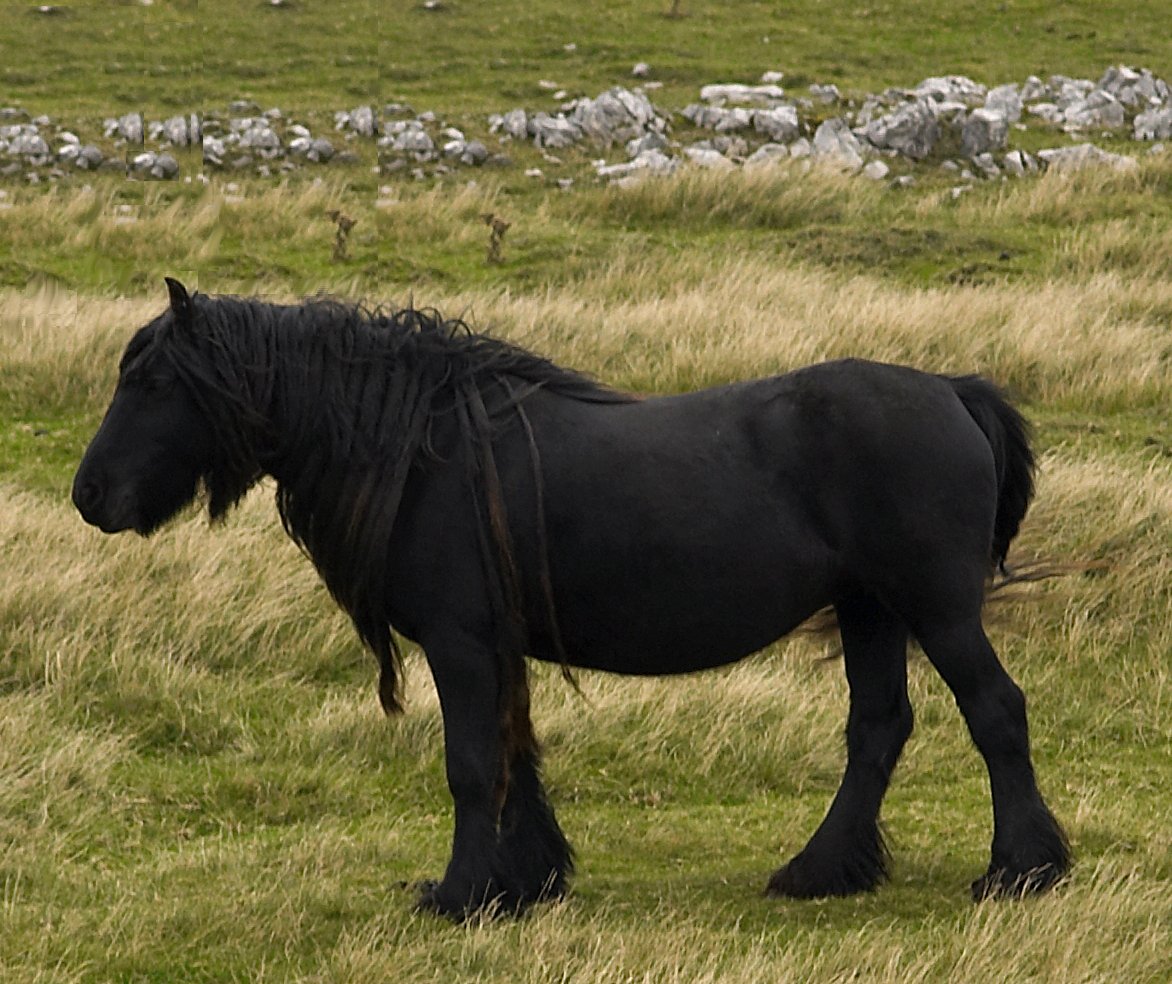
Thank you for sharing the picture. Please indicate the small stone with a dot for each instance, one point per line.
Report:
(876, 170)
(130, 126)
(165, 168)
(641, 70)
(825, 94)
(475, 153)
(320, 151)
(707, 158)
(766, 95)
(769, 153)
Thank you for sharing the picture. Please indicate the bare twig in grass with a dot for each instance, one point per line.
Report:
(497, 227)
(344, 224)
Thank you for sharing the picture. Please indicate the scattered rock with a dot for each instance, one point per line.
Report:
(912, 130)
(769, 153)
(1153, 124)
(984, 130)
(758, 95)
(951, 89)
(320, 151)
(876, 170)
(779, 124)
(706, 157)
(1066, 159)
(1018, 163)
(825, 94)
(1006, 100)
(834, 143)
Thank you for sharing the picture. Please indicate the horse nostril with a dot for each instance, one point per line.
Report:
(87, 494)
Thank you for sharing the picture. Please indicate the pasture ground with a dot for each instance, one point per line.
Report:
(196, 782)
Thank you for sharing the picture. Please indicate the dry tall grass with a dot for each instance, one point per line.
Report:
(1102, 343)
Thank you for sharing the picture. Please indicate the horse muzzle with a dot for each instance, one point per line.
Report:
(108, 510)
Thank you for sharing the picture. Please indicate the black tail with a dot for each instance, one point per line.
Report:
(1008, 434)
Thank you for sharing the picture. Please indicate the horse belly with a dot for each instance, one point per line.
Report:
(651, 598)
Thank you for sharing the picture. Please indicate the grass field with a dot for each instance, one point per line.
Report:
(196, 783)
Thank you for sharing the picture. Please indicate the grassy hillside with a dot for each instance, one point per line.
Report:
(196, 782)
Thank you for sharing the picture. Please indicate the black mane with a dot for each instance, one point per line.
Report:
(338, 402)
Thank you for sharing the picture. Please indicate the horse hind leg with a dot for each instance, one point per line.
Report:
(1029, 852)
(847, 853)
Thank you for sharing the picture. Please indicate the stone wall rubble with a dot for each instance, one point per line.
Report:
(950, 119)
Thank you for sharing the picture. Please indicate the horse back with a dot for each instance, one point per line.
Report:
(688, 531)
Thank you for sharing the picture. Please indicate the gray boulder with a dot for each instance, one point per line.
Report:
(1034, 89)
(321, 150)
(1006, 100)
(835, 144)
(165, 168)
(515, 124)
(29, 143)
(414, 140)
(717, 117)
(1018, 162)
(912, 130)
(130, 127)
(214, 150)
(177, 131)
(708, 158)
(1134, 88)
(616, 116)
(984, 130)
(1047, 111)
(475, 153)
(361, 120)
(779, 124)
(769, 153)
(87, 158)
(950, 89)
(553, 132)
(648, 162)
(652, 140)
(1153, 124)
(1066, 159)
(758, 95)
(1097, 110)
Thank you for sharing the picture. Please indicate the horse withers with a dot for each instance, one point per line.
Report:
(492, 506)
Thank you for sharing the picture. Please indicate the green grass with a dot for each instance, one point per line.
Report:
(479, 58)
(195, 780)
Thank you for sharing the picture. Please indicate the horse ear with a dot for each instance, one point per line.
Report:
(180, 301)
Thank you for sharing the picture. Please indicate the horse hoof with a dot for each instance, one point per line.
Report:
(1001, 883)
(802, 881)
(431, 900)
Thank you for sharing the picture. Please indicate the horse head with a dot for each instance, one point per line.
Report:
(154, 444)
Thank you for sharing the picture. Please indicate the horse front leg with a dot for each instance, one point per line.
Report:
(507, 849)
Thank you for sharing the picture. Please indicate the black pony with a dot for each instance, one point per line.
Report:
(491, 506)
